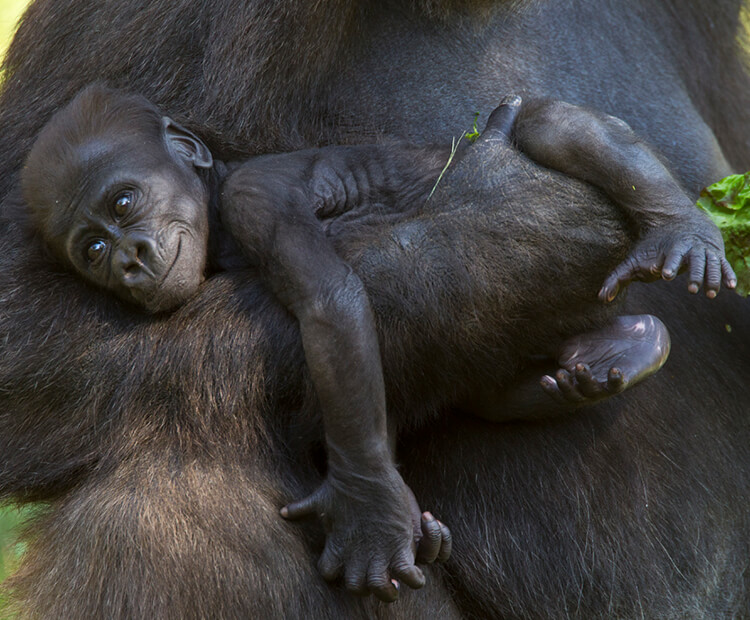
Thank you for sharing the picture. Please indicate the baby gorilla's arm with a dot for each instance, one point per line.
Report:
(604, 151)
(370, 515)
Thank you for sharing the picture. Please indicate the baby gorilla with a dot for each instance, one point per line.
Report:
(136, 205)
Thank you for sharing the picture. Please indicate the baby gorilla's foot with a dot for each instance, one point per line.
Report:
(601, 363)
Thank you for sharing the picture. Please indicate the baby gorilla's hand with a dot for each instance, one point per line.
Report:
(375, 532)
(692, 243)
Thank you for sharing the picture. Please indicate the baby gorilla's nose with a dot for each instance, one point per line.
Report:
(134, 262)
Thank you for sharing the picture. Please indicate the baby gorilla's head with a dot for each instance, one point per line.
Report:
(113, 189)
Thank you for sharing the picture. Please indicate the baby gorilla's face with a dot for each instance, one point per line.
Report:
(139, 229)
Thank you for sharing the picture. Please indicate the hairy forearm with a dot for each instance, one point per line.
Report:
(341, 349)
(298, 262)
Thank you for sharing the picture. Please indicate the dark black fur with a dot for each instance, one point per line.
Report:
(166, 448)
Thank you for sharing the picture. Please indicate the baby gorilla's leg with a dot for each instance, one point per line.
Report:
(604, 151)
(591, 367)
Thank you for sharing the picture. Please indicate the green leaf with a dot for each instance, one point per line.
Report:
(474, 133)
(727, 203)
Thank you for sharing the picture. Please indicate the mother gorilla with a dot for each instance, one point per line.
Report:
(164, 449)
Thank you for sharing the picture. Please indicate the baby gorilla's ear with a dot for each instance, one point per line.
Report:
(185, 145)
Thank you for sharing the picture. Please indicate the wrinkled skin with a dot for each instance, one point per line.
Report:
(155, 272)
(637, 508)
(113, 192)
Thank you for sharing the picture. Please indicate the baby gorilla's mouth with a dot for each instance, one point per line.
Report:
(161, 296)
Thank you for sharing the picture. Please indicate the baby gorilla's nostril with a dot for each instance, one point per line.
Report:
(132, 269)
(142, 252)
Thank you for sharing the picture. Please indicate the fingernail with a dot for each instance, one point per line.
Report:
(428, 516)
(284, 512)
(711, 294)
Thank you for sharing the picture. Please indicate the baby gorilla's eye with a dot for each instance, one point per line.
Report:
(123, 203)
(96, 250)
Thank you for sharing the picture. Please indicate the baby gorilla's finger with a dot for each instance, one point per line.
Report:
(674, 261)
(500, 123)
(447, 546)
(403, 569)
(615, 381)
(379, 583)
(355, 578)
(549, 385)
(587, 384)
(697, 270)
(329, 564)
(713, 274)
(654, 269)
(429, 544)
(302, 508)
(568, 387)
(730, 278)
(622, 275)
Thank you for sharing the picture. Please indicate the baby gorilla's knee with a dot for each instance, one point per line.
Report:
(551, 131)
(566, 137)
